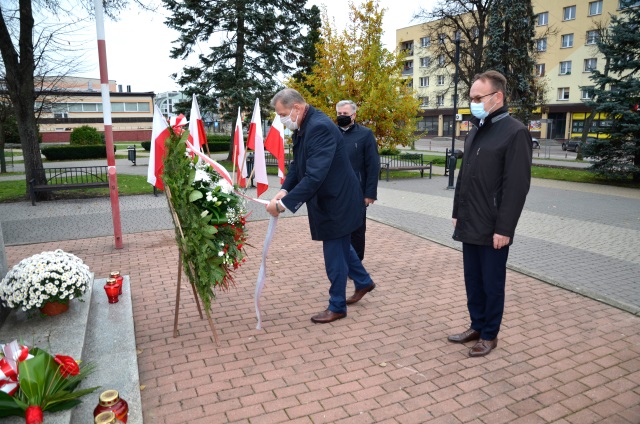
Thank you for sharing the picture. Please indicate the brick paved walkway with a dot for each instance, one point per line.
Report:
(561, 358)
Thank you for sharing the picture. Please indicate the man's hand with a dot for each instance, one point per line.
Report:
(500, 241)
(279, 195)
(272, 207)
(368, 201)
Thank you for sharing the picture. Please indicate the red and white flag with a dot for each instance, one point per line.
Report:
(256, 143)
(197, 134)
(159, 135)
(239, 160)
(274, 144)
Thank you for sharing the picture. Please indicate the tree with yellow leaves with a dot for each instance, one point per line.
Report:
(353, 65)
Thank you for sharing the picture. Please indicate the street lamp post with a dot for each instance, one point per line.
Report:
(452, 156)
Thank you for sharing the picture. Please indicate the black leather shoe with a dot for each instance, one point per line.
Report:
(359, 294)
(467, 336)
(326, 317)
(483, 347)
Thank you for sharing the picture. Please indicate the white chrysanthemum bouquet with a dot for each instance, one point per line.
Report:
(46, 277)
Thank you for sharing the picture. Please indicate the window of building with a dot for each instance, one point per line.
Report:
(540, 69)
(441, 60)
(563, 93)
(408, 65)
(425, 61)
(454, 100)
(567, 41)
(407, 48)
(428, 124)
(424, 81)
(442, 38)
(590, 64)
(541, 44)
(440, 100)
(542, 18)
(410, 83)
(425, 41)
(593, 37)
(569, 13)
(424, 101)
(623, 4)
(129, 107)
(595, 8)
(565, 67)
(587, 93)
(475, 32)
(440, 79)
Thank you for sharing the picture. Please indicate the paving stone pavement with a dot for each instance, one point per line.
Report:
(562, 357)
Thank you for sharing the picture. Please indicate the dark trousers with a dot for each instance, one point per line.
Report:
(485, 271)
(340, 261)
(357, 237)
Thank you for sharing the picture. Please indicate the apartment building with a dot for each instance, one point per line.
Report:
(566, 37)
(71, 102)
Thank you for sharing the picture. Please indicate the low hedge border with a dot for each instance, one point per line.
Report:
(75, 152)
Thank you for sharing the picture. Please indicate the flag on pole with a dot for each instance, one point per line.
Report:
(197, 134)
(274, 144)
(239, 159)
(159, 135)
(256, 143)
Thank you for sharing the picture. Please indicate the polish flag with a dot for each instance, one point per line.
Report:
(197, 134)
(256, 143)
(239, 160)
(159, 135)
(274, 144)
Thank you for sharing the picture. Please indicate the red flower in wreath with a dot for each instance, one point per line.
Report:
(68, 365)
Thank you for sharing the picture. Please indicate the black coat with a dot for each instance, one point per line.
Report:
(494, 179)
(365, 161)
(321, 176)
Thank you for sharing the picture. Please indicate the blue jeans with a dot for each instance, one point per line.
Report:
(340, 261)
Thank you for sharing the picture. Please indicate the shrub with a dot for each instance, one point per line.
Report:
(146, 145)
(390, 151)
(85, 136)
(75, 152)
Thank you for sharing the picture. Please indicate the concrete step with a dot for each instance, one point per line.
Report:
(94, 331)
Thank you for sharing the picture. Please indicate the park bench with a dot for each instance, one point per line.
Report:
(405, 162)
(69, 178)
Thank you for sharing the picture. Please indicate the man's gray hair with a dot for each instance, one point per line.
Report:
(342, 103)
(287, 97)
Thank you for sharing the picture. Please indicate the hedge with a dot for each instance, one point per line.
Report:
(216, 143)
(75, 152)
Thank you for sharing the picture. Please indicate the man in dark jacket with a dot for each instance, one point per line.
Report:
(490, 194)
(321, 176)
(365, 161)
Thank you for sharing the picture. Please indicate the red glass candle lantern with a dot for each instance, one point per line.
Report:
(107, 417)
(118, 277)
(116, 282)
(112, 290)
(110, 400)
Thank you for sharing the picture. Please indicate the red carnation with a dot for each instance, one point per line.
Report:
(68, 365)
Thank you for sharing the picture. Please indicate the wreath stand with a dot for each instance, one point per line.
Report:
(176, 222)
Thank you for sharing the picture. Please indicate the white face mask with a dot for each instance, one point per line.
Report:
(289, 123)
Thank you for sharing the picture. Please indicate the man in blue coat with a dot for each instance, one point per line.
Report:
(321, 176)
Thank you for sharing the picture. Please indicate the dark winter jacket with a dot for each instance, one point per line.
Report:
(494, 179)
(321, 176)
(363, 153)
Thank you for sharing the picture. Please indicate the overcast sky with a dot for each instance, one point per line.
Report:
(138, 44)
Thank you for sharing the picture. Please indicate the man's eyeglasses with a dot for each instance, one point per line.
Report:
(478, 99)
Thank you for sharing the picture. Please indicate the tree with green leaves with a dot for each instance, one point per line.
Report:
(511, 51)
(244, 48)
(617, 95)
(353, 65)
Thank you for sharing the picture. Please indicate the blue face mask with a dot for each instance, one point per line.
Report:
(477, 109)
